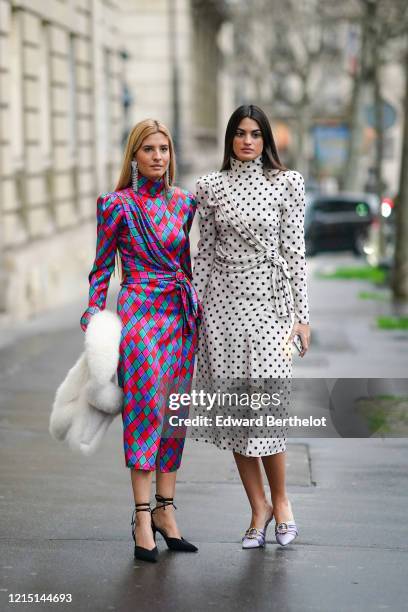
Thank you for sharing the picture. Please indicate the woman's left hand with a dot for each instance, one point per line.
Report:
(302, 330)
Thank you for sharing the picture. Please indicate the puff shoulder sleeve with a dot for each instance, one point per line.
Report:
(109, 217)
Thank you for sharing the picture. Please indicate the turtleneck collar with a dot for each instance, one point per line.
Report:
(253, 165)
(150, 187)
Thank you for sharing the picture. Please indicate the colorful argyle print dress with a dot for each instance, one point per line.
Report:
(158, 306)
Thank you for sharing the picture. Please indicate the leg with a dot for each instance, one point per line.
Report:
(169, 460)
(164, 517)
(141, 485)
(249, 469)
(275, 468)
(171, 446)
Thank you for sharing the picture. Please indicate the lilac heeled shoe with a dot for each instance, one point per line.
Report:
(285, 533)
(255, 538)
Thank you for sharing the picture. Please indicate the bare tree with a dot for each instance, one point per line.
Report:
(382, 25)
(361, 76)
(280, 50)
(297, 51)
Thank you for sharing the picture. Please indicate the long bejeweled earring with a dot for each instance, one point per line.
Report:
(135, 175)
(168, 176)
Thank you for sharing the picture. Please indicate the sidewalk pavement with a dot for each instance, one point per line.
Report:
(346, 341)
(65, 519)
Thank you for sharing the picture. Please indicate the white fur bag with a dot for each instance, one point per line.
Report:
(89, 398)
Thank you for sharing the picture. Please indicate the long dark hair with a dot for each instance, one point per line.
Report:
(270, 155)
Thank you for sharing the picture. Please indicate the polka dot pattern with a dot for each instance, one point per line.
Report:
(241, 336)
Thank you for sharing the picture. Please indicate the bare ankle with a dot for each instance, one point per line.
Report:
(261, 509)
(282, 500)
(142, 521)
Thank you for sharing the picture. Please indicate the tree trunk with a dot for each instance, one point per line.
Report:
(379, 153)
(400, 273)
(379, 128)
(351, 180)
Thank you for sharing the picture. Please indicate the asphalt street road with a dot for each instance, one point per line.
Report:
(65, 519)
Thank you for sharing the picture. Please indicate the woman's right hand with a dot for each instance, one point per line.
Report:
(304, 332)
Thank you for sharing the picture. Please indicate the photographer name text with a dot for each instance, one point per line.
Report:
(268, 420)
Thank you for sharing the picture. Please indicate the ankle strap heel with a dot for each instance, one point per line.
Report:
(176, 544)
(142, 507)
(144, 554)
(164, 501)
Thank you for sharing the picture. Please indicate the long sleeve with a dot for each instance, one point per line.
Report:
(109, 216)
(203, 263)
(185, 257)
(292, 242)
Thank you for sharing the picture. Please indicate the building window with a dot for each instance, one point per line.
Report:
(72, 102)
(45, 97)
(106, 106)
(16, 91)
(105, 128)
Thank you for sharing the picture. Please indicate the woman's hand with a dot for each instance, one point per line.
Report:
(302, 330)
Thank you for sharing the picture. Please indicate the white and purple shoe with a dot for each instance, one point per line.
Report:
(255, 538)
(285, 533)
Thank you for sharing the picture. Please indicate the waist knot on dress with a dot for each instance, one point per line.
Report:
(188, 294)
(280, 275)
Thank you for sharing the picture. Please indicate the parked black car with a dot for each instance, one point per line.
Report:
(339, 222)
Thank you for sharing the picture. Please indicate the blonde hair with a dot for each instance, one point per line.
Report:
(139, 133)
(142, 130)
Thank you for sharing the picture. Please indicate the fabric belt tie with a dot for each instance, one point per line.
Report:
(188, 294)
(280, 283)
(280, 276)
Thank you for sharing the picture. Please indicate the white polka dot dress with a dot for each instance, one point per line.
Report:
(250, 275)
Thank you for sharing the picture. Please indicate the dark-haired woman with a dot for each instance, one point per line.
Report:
(250, 275)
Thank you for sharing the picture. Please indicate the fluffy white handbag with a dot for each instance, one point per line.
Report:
(89, 398)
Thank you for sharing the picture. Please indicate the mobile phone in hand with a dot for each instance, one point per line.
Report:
(298, 343)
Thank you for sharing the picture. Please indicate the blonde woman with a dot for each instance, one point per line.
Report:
(147, 220)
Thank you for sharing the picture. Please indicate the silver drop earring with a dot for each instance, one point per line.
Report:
(135, 176)
(168, 175)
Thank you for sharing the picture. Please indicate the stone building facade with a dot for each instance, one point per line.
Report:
(60, 114)
(174, 68)
(74, 76)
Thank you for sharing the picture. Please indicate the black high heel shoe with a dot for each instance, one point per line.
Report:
(178, 544)
(144, 554)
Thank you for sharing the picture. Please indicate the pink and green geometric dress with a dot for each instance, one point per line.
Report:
(158, 306)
